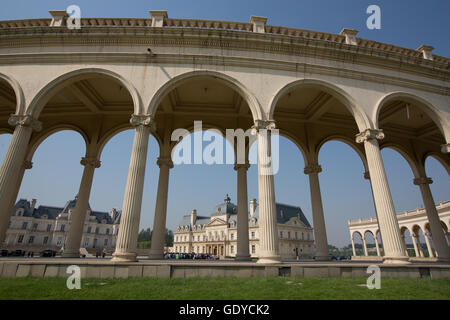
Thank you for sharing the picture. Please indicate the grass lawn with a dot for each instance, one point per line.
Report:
(224, 289)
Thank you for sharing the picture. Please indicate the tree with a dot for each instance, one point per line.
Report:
(169, 238)
(145, 235)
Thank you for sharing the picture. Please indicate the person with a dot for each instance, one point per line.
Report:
(32, 254)
(103, 253)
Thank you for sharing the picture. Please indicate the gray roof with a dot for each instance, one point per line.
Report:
(285, 212)
(53, 212)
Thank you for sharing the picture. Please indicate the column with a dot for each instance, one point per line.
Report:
(394, 249)
(426, 234)
(377, 246)
(320, 232)
(126, 246)
(243, 253)
(364, 245)
(419, 245)
(159, 222)
(12, 166)
(414, 240)
(404, 243)
(437, 233)
(268, 229)
(75, 234)
(26, 165)
(353, 246)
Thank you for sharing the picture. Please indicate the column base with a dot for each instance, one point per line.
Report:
(124, 257)
(71, 254)
(396, 260)
(323, 258)
(242, 258)
(273, 259)
(156, 255)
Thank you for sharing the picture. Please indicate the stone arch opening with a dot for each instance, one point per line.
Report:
(11, 100)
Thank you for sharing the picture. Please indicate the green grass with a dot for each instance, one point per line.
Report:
(224, 288)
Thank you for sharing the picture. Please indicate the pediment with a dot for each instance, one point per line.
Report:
(216, 222)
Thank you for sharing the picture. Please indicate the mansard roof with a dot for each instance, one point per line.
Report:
(53, 212)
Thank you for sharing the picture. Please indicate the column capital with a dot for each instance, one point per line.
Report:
(369, 134)
(165, 161)
(263, 124)
(239, 166)
(313, 168)
(28, 164)
(90, 161)
(142, 120)
(422, 181)
(25, 121)
(445, 148)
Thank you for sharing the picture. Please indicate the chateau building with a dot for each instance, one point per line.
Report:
(47, 226)
(217, 233)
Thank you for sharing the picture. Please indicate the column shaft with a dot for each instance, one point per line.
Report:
(437, 232)
(353, 247)
(377, 246)
(243, 252)
(365, 245)
(393, 246)
(320, 232)
(430, 250)
(159, 222)
(11, 172)
(268, 229)
(126, 246)
(75, 234)
(414, 240)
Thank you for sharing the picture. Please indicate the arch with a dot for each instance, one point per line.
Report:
(232, 83)
(351, 143)
(45, 93)
(429, 109)
(50, 131)
(20, 100)
(438, 157)
(115, 131)
(357, 232)
(359, 115)
(405, 155)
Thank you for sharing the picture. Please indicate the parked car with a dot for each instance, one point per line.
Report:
(17, 253)
(3, 253)
(48, 253)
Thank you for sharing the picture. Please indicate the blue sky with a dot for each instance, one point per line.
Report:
(56, 173)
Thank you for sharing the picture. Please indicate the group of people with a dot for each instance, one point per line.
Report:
(192, 256)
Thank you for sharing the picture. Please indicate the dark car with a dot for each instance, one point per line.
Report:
(48, 253)
(3, 253)
(17, 253)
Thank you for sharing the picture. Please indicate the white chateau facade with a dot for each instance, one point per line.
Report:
(217, 234)
(36, 227)
(157, 74)
(414, 227)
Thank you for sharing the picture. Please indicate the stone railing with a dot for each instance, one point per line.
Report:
(166, 22)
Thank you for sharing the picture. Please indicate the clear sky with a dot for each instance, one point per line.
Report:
(56, 172)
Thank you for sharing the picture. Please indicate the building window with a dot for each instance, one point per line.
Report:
(253, 234)
(34, 228)
(89, 229)
(45, 240)
(63, 226)
(184, 249)
(308, 236)
(59, 242)
(24, 225)
(232, 236)
(107, 231)
(281, 234)
(296, 236)
(106, 242)
(31, 239)
(253, 248)
(232, 249)
(86, 242)
(49, 227)
(289, 234)
(96, 230)
(198, 238)
(20, 239)
(303, 236)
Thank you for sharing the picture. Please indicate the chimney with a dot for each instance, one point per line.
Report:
(193, 217)
(33, 205)
(253, 205)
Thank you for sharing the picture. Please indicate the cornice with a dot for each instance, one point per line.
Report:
(286, 44)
